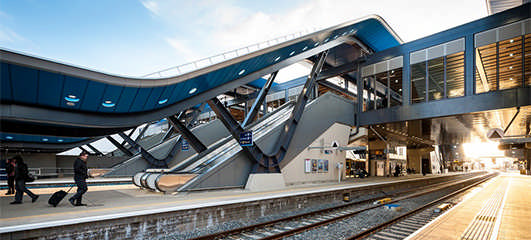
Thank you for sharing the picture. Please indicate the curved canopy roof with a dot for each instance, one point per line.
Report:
(44, 97)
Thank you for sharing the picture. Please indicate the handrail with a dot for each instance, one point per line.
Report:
(204, 62)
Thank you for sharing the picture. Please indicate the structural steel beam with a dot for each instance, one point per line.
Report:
(261, 97)
(120, 146)
(270, 163)
(95, 150)
(168, 134)
(145, 154)
(192, 139)
(83, 149)
(130, 134)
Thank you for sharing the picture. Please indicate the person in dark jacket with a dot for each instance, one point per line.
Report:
(10, 172)
(21, 174)
(80, 177)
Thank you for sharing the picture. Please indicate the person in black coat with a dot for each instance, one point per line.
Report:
(10, 172)
(21, 174)
(80, 177)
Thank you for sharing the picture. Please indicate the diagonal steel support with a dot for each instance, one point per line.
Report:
(120, 146)
(95, 150)
(142, 132)
(145, 154)
(83, 149)
(270, 163)
(130, 134)
(258, 101)
(192, 139)
(512, 120)
(168, 134)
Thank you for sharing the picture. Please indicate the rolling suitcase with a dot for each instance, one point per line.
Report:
(57, 197)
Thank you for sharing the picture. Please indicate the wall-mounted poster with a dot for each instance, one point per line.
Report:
(325, 165)
(314, 165)
(307, 165)
(320, 166)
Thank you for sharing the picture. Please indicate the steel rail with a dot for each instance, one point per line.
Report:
(221, 235)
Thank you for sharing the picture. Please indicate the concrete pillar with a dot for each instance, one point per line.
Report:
(387, 171)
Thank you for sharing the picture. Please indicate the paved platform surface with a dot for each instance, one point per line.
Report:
(121, 200)
(499, 210)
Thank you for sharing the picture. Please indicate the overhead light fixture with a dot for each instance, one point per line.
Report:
(305, 48)
(163, 101)
(291, 53)
(45, 139)
(72, 98)
(277, 58)
(510, 67)
(241, 72)
(511, 41)
(60, 140)
(510, 54)
(108, 104)
(9, 137)
(192, 91)
(315, 45)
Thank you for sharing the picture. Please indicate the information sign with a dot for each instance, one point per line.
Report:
(246, 139)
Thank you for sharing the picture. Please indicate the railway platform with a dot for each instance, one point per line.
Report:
(114, 205)
(501, 209)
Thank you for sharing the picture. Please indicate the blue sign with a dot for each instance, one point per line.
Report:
(246, 139)
(185, 146)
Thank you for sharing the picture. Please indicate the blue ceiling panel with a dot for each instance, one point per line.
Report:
(154, 99)
(11, 137)
(110, 98)
(73, 92)
(125, 99)
(167, 94)
(50, 86)
(25, 84)
(5, 81)
(93, 96)
(140, 99)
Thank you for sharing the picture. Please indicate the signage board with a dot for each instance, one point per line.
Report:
(246, 139)
(185, 146)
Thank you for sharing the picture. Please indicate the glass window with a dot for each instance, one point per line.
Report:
(368, 92)
(418, 82)
(395, 80)
(381, 90)
(486, 68)
(510, 60)
(455, 75)
(527, 63)
(436, 79)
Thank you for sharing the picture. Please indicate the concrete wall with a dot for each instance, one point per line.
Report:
(294, 171)
(35, 160)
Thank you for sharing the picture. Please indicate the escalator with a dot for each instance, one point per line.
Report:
(226, 165)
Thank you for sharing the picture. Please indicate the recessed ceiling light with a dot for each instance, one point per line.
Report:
(510, 67)
(315, 45)
(305, 48)
(345, 33)
(163, 101)
(192, 91)
(70, 104)
(291, 53)
(510, 54)
(276, 59)
(9, 137)
(60, 140)
(396, 81)
(326, 40)
(511, 41)
(400, 90)
(241, 72)
(72, 98)
(108, 104)
(45, 139)
(510, 78)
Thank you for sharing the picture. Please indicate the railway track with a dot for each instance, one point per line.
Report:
(404, 225)
(288, 226)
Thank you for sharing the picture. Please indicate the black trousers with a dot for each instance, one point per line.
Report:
(11, 184)
(81, 189)
(20, 185)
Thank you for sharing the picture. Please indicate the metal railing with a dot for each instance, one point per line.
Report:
(205, 62)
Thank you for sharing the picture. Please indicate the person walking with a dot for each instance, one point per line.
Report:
(21, 174)
(10, 172)
(80, 177)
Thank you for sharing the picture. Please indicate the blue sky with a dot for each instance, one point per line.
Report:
(136, 37)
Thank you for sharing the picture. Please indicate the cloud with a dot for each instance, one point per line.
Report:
(183, 48)
(8, 35)
(152, 6)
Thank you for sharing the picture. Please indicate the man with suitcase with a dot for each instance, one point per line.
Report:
(80, 177)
